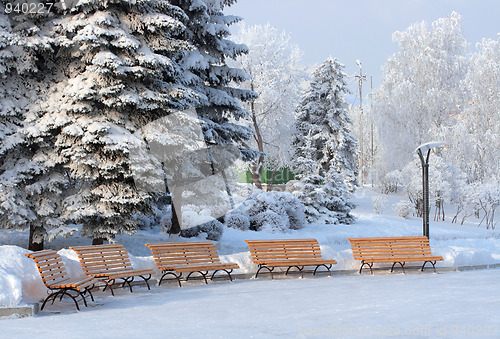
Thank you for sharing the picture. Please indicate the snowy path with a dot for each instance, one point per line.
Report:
(425, 305)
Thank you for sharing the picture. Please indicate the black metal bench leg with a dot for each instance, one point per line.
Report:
(128, 281)
(301, 268)
(52, 296)
(264, 266)
(370, 265)
(146, 280)
(227, 271)
(83, 298)
(62, 293)
(178, 277)
(327, 267)
(433, 263)
(204, 275)
(109, 283)
(87, 290)
(402, 266)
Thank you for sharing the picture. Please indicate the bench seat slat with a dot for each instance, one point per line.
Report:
(284, 263)
(403, 259)
(195, 268)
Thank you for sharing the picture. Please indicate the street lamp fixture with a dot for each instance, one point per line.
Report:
(424, 151)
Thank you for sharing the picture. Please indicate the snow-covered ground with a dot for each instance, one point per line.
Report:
(443, 305)
(361, 305)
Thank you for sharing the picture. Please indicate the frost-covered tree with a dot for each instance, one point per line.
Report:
(446, 182)
(473, 139)
(419, 90)
(273, 62)
(325, 150)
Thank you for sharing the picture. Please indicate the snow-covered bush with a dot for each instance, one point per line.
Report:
(390, 182)
(213, 229)
(325, 200)
(270, 221)
(403, 209)
(274, 211)
(379, 203)
(481, 199)
(237, 219)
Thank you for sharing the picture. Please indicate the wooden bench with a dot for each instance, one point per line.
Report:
(290, 253)
(396, 250)
(56, 279)
(108, 263)
(200, 257)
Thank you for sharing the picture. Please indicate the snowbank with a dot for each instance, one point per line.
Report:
(19, 277)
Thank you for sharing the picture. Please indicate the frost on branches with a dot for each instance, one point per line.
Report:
(325, 150)
(276, 75)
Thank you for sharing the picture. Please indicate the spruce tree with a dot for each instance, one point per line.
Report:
(325, 151)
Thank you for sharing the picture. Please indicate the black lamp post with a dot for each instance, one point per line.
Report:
(424, 151)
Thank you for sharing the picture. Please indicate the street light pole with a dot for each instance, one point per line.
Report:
(361, 78)
(424, 159)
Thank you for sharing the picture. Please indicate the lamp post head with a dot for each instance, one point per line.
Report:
(428, 146)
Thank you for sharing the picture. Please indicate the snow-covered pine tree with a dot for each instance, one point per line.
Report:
(325, 150)
(14, 209)
(207, 73)
(110, 68)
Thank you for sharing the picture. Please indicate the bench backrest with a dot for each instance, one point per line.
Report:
(373, 248)
(50, 266)
(184, 253)
(102, 258)
(263, 251)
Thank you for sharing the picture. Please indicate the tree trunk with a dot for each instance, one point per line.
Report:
(256, 171)
(176, 215)
(34, 246)
(98, 241)
(257, 165)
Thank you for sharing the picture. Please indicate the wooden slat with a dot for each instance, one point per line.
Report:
(287, 252)
(109, 260)
(392, 249)
(188, 257)
(54, 273)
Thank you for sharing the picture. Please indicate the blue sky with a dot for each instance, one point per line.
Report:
(362, 29)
